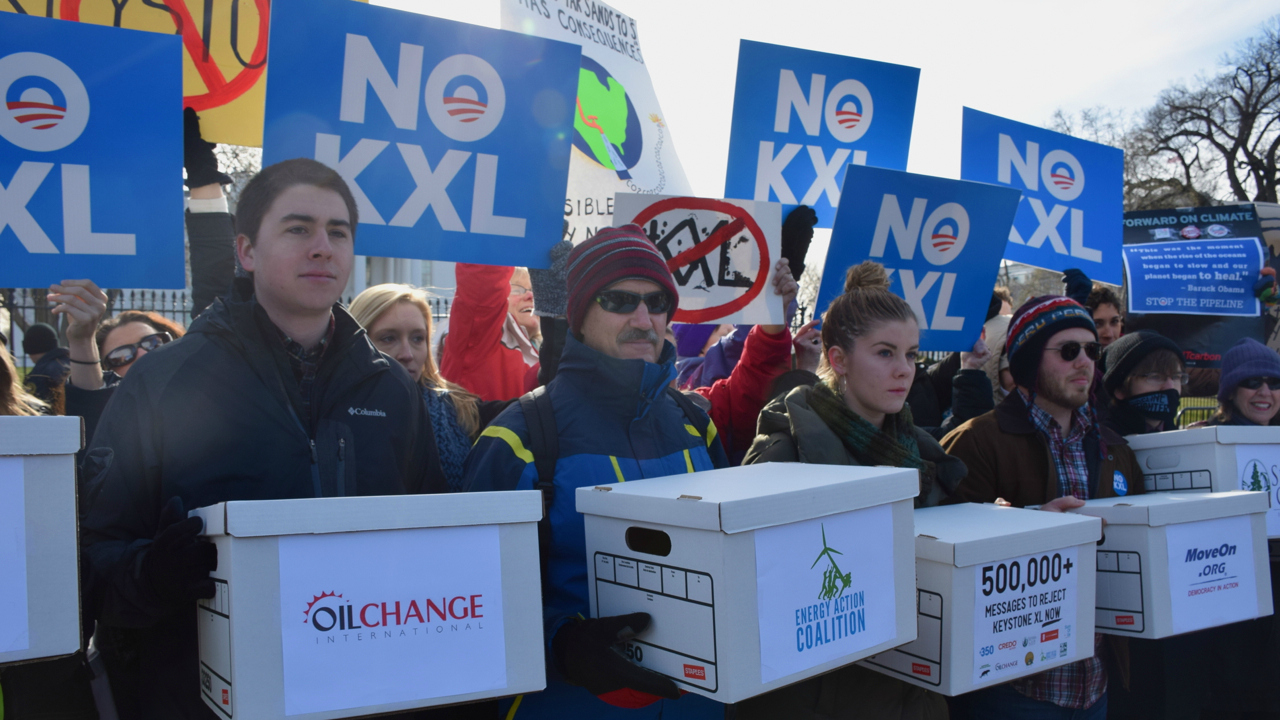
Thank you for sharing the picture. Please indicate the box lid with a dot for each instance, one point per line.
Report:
(969, 534)
(41, 435)
(313, 516)
(750, 497)
(1221, 434)
(1168, 508)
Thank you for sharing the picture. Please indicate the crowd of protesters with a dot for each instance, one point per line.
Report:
(571, 376)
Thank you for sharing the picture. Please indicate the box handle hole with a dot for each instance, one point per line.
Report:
(649, 541)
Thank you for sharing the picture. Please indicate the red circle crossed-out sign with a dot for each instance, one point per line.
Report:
(219, 90)
(740, 219)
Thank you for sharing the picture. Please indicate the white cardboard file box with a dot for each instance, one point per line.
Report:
(339, 607)
(1217, 459)
(1002, 593)
(39, 545)
(1172, 563)
(755, 577)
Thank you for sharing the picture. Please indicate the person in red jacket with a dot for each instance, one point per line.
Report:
(487, 351)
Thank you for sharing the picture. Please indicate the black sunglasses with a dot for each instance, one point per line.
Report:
(126, 354)
(1071, 350)
(1254, 383)
(623, 302)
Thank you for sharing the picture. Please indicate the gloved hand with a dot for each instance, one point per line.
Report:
(197, 154)
(1265, 288)
(797, 233)
(178, 563)
(550, 286)
(1078, 285)
(588, 655)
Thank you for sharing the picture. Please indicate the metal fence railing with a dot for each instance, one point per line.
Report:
(26, 306)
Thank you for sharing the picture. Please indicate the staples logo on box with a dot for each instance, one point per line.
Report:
(1047, 636)
(695, 672)
(918, 669)
(226, 696)
(1124, 619)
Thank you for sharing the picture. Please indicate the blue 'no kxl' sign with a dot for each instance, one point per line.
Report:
(1072, 210)
(801, 117)
(90, 155)
(941, 241)
(454, 138)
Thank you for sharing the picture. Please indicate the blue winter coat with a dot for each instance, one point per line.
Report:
(615, 423)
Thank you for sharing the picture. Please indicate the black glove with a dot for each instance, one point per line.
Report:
(197, 154)
(1078, 285)
(587, 655)
(797, 233)
(178, 563)
(550, 286)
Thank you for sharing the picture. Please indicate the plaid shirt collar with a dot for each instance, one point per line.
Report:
(306, 361)
(1081, 423)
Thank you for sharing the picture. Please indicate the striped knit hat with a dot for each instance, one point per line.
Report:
(610, 256)
(1039, 319)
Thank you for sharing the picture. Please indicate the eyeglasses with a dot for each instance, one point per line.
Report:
(1254, 383)
(1161, 378)
(1071, 350)
(126, 354)
(520, 290)
(623, 302)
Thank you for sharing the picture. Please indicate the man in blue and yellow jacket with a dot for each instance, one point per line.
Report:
(614, 421)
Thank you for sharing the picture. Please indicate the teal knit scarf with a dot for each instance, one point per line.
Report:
(868, 444)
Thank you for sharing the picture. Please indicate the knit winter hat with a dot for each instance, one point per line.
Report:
(39, 338)
(1039, 319)
(610, 256)
(691, 338)
(1246, 359)
(1122, 356)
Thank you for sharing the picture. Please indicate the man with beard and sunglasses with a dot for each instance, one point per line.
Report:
(1043, 445)
(608, 416)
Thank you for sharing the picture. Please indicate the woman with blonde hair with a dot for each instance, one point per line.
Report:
(14, 399)
(857, 414)
(397, 318)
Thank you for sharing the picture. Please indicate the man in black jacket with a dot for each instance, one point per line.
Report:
(279, 395)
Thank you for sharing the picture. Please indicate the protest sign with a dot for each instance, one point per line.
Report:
(1194, 278)
(1022, 602)
(838, 110)
(225, 56)
(1211, 573)
(90, 157)
(621, 142)
(721, 253)
(940, 240)
(479, 177)
(1073, 193)
(1203, 338)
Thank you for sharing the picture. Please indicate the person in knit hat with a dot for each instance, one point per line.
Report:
(1043, 445)
(51, 366)
(614, 419)
(1143, 376)
(1249, 391)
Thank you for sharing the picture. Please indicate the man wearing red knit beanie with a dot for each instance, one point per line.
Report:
(613, 418)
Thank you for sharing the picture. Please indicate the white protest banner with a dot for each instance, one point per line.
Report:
(1022, 613)
(14, 629)
(841, 601)
(721, 253)
(1211, 574)
(1259, 467)
(621, 142)
(430, 628)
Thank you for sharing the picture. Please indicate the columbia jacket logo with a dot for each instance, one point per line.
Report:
(365, 412)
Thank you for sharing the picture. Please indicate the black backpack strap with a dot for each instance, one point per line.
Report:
(701, 421)
(544, 444)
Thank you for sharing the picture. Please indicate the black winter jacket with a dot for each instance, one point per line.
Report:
(216, 416)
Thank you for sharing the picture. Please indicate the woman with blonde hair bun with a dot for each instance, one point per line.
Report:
(397, 319)
(857, 414)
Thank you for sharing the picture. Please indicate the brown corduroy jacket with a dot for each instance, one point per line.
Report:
(1008, 458)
